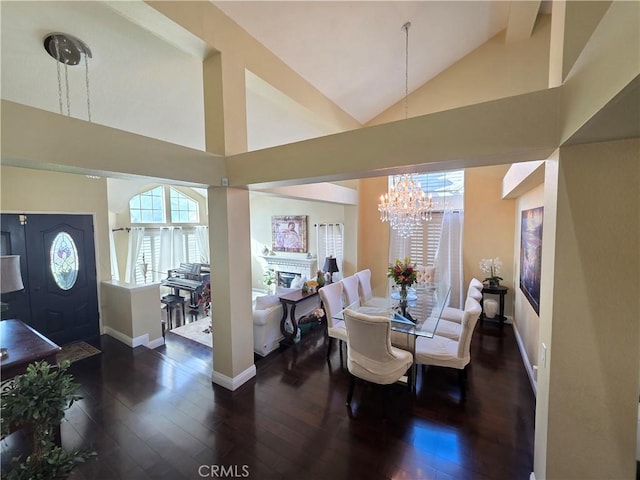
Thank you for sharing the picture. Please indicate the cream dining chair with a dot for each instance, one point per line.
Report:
(366, 294)
(370, 355)
(455, 314)
(331, 296)
(350, 291)
(445, 352)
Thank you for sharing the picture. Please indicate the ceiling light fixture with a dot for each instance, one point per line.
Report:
(68, 50)
(405, 206)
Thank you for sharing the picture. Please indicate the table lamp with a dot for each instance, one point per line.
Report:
(330, 267)
(10, 277)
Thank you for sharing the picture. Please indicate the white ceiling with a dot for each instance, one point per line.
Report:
(354, 51)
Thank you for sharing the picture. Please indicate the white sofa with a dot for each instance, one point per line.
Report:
(267, 314)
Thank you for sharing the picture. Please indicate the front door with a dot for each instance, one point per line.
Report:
(61, 271)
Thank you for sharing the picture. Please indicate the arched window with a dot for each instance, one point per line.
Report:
(147, 207)
(183, 209)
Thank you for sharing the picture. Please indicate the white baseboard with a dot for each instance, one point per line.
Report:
(134, 342)
(525, 360)
(235, 382)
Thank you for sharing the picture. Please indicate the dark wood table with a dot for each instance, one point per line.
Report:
(25, 346)
(495, 290)
(289, 303)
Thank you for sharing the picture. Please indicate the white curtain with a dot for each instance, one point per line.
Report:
(448, 261)
(171, 248)
(135, 244)
(330, 241)
(202, 240)
(115, 274)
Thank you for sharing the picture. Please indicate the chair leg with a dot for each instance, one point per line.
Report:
(340, 346)
(329, 347)
(462, 378)
(352, 382)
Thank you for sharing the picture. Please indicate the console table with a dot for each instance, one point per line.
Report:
(497, 290)
(289, 303)
(25, 346)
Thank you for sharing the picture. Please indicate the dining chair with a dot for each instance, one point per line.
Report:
(331, 296)
(370, 355)
(476, 283)
(455, 314)
(366, 294)
(445, 352)
(350, 291)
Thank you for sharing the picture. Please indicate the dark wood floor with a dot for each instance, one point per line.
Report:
(153, 414)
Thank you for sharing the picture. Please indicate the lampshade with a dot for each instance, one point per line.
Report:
(330, 265)
(10, 276)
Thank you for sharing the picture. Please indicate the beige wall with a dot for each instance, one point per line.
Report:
(587, 402)
(36, 191)
(527, 321)
(373, 238)
(263, 207)
(495, 70)
(488, 227)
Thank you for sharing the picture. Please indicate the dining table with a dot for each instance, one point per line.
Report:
(426, 303)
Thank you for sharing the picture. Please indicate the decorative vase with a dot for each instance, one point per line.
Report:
(403, 300)
(494, 282)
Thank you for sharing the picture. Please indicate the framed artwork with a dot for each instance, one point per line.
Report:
(531, 255)
(289, 233)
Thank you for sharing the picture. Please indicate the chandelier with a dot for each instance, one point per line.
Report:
(405, 206)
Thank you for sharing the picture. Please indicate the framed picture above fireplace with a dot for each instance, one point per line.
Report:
(289, 233)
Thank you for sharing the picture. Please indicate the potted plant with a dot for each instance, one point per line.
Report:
(36, 401)
(491, 266)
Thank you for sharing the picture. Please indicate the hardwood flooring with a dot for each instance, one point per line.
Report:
(153, 414)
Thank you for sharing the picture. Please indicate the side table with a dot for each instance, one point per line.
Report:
(289, 303)
(497, 290)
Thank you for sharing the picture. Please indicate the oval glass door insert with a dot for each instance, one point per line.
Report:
(64, 261)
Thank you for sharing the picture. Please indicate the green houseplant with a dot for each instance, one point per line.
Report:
(36, 401)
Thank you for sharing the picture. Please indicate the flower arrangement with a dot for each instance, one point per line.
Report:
(403, 272)
(491, 266)
(204, 299)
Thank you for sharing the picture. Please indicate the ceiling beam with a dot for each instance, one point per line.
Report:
(522, 18)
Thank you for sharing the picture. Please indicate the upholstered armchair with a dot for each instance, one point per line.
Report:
(331, 296)
(370, 355)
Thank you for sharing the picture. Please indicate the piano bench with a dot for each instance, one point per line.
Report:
(172, 301)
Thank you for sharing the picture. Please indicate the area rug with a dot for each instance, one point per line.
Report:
(76, 351)
(198, 331)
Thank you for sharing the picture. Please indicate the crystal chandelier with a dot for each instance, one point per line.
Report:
(405, 206)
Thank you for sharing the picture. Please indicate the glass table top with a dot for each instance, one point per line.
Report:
(425, 306)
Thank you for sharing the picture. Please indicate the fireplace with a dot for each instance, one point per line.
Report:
(284, 279)
(288, 267)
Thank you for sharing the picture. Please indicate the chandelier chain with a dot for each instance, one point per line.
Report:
(405, 206)
(57, 49)
(405, 27)
(66, 81)
(86, 76)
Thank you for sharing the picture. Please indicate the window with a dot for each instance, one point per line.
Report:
(63, 261)
(148, 207)
(330, 241)
(183, 208)
(447, 189)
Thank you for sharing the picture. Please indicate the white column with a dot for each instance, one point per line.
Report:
(230, 240)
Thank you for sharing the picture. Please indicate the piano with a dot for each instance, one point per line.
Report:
(190, 277)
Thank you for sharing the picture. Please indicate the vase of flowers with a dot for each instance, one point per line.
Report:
(404, 274)
(491, 266)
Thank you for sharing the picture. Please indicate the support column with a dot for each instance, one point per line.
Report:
(587, 402)
(230, 240)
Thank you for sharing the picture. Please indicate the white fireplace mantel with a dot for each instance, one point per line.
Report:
(303, 266)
